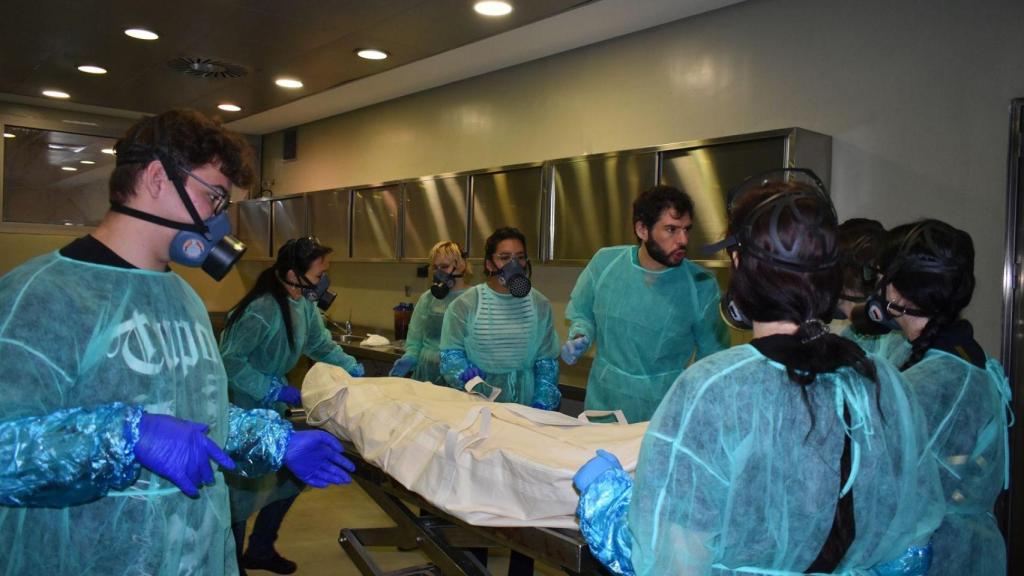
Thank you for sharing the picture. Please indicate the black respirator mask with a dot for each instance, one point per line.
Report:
(515, 277)
(778, 255)
(443, 284)
(291, 256)
(909, 257)
(206, 244)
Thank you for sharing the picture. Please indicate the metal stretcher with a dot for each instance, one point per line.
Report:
(443, 538)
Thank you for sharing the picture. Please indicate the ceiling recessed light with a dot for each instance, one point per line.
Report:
(8, 135)
(56, 94)
(492, 8)
(108, 151)
(69, 168)
(371, 54)
(141, 34)
(87, 162)
(288, 83)
(90, 69)
(229, 107)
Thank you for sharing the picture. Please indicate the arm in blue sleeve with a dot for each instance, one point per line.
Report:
(322, 348)
(580, 311)
(68, 457)
(545, 374)
(236, 345)
(602, 511)
(257, 440)
(710, 331)
(453, 364)
(545, 367)
(453, 342)
(417, 325)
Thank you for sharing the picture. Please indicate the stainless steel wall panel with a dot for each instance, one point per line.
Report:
(289, 221)
(435, 209)
(593, 201)
(707, 174)
(375, 222)
(254, 228)
(506, 198)
(329, 214)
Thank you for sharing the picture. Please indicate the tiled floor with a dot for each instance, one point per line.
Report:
(309, 535)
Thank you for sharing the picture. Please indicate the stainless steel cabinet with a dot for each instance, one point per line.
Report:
(254, 227)
(375, 222)
(434, 209)
(592, 201)
(289, 221)
(507, 198)
(708, 173)
(329, 220)
(708, 170)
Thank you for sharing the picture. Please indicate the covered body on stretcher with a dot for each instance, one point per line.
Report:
(486, 463)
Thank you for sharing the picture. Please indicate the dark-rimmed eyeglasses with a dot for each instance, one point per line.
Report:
(220, 198)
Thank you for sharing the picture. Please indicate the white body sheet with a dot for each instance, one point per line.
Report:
(486, 463)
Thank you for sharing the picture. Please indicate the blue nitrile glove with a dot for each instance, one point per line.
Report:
(403, 366)
(179, 450)
(314, 456)
(574, 348)
(597, 465)
(470, 373)
(357, 371)
(290, 395)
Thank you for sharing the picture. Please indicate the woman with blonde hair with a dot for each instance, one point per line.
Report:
(449, 269)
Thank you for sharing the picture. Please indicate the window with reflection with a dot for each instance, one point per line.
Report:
(53, 177)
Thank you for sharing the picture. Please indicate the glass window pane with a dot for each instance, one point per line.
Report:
(55, 177)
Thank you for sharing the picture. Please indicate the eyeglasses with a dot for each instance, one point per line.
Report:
(219, 197)
(895, 310)
(506, 257)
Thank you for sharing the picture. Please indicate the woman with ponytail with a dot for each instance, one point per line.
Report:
(797, 453)
(266, 333)
(928, 281)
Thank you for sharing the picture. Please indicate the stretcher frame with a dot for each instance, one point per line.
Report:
(444, 539)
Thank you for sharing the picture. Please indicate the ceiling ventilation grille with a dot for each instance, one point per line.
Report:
(207, 68)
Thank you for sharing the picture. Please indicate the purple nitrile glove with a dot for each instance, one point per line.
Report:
(470, 373)
(315, 457)
(290, 395)
(179, 450)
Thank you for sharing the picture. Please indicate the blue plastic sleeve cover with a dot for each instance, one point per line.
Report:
(603, 511)
(546, 394)
(453, 363)
(68, 457)
(276, 384)
(257, 440)
(915, 561)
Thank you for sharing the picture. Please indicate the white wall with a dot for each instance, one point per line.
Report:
(915, 95)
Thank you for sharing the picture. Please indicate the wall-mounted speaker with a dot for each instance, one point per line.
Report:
(290, 148)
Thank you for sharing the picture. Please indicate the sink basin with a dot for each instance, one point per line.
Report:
(351, 338)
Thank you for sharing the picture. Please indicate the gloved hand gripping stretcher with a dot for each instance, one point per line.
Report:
(486, 463)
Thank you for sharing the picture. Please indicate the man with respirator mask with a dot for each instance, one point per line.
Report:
(649, 309)
(422, 345)
(497, 338)
(116, 403)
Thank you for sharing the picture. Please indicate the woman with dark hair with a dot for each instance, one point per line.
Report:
(266, 332)
(928, 281)
(796, 453)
